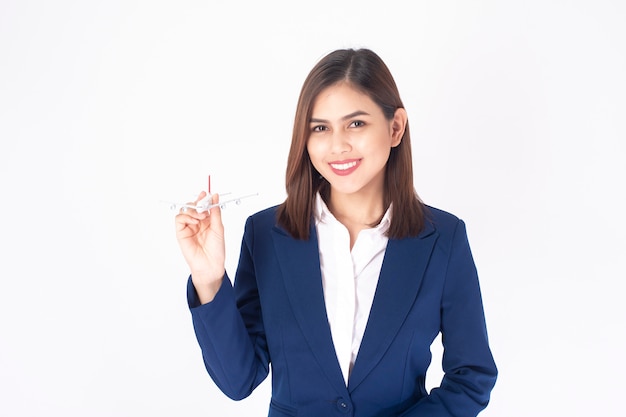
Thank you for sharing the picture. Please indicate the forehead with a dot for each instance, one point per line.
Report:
(340, 99)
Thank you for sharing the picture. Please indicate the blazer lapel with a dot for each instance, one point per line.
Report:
(300, 266)
(400, 277)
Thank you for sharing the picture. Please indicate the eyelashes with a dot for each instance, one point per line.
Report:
(324, 128)
(319, 128)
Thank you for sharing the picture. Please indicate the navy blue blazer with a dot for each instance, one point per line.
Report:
(275, 315)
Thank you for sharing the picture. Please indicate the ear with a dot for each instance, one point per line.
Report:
(398, 126)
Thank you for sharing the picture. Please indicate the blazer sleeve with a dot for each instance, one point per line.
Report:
(231, 336)
(469, 369)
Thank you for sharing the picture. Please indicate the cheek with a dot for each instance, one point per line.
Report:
(315, 149)
(316, 155)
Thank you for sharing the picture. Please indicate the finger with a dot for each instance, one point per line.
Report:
(216, 211)
(189, 206)
(191, 217)
(200, 197)
(191, 212)
(184, 220)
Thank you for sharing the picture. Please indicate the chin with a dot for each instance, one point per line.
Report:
(345, 188)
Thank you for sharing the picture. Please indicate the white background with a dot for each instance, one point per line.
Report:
(517, 115)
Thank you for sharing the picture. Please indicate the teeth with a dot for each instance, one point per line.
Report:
(345, 166)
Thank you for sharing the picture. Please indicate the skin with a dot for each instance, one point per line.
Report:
(347, 130)
(349, 145)
(201, 240)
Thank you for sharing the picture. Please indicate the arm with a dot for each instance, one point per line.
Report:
(232, 337)
(470, 372)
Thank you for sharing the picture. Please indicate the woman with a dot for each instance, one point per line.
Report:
(345, 285)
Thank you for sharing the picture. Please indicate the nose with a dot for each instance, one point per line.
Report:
(340, 142)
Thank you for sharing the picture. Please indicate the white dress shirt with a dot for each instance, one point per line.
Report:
(349, 279)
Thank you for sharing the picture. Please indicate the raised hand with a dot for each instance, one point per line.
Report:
(201, 240)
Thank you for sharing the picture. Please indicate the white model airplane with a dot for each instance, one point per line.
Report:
(205, 203)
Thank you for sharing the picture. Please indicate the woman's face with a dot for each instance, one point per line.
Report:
(350, 140)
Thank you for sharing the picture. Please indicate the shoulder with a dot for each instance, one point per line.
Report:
(444, 222)
(438, 216)
(268, 214)
(264, 219)
(262, 227)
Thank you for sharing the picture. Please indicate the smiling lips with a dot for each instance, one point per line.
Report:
(345, 167)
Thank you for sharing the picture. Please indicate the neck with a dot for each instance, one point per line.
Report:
(357, 209)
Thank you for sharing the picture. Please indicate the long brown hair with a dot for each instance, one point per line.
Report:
(365, 71)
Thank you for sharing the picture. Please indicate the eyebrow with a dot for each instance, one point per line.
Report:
(346, 117)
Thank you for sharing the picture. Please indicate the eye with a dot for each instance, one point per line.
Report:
(319, 128)
(357, 123)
